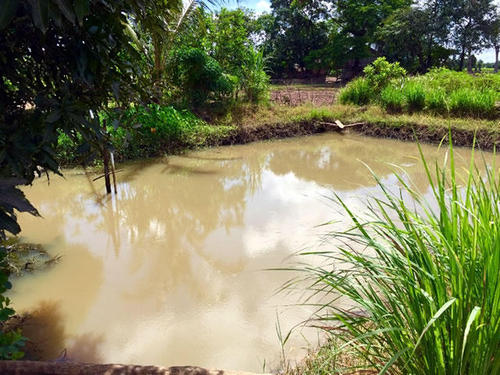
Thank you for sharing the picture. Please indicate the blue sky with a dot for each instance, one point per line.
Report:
(260, 6)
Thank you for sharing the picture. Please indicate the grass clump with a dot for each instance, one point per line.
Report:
(422, 280)
(392, 99)
(436, 101)
(415, 96)
(472, 102)
(358, 92)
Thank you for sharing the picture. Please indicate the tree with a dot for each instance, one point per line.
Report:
(61, 62)
(493, 37)
(231, 41)
(400, 38)
(358, 21)
(157, 21)
(438, 14)
(471, 19)
(291, 33)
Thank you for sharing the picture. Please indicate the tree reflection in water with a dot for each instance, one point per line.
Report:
(169, 271)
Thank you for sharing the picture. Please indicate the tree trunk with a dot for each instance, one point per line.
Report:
(469, 62)
(497, 51)
(157, 59)
(157, 69)
(462, 60)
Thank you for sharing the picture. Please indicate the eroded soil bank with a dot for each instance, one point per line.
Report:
(484, 139)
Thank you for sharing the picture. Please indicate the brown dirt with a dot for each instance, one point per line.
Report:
(485, 140)
(72, 368)
(297, 96)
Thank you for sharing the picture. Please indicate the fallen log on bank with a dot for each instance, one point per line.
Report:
(340, 125)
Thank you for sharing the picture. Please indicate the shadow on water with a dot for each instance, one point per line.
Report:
(47, 338)
(208, 158)
(184, 169)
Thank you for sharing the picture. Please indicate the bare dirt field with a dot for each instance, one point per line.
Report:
(298, 95)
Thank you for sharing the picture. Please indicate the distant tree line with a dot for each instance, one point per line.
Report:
(300, 37)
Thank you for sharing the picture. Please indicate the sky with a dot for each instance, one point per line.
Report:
(261, 6)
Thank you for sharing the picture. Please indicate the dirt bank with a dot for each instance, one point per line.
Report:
(485, 139)
(72, 368)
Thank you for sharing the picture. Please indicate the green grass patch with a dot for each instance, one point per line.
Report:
(472, 102)
(414, 93)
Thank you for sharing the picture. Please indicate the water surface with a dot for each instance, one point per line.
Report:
(172, 271)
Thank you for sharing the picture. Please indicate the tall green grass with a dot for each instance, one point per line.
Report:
(419, 286)
(436, 101)
(392, 99)
(472, 102)
(440, 91)
(358, 92)
(415, 96)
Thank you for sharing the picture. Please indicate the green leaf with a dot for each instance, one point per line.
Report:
(433, 319)
(8, 223)
(472, 316)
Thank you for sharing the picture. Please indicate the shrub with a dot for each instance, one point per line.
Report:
(11, 342)
(150, 130)
(415, 95)
(255, 82)
(392, 99)
(415, 289)
(200, 78)
(358, 92)
(472, 102)
(436, 101)
(381, 72)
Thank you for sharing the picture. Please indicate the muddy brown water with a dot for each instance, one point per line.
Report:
(173, 270)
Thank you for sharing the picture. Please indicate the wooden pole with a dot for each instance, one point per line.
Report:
(105, 160)
(113, 169)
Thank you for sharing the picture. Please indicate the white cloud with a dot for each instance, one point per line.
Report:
(263, 6)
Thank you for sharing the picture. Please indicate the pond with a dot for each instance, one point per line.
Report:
(174, 269)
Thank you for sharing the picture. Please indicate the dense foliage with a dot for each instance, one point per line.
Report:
(200, 78)
(147, 131)
(60, 63)
(226, 40)
(307, 37)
